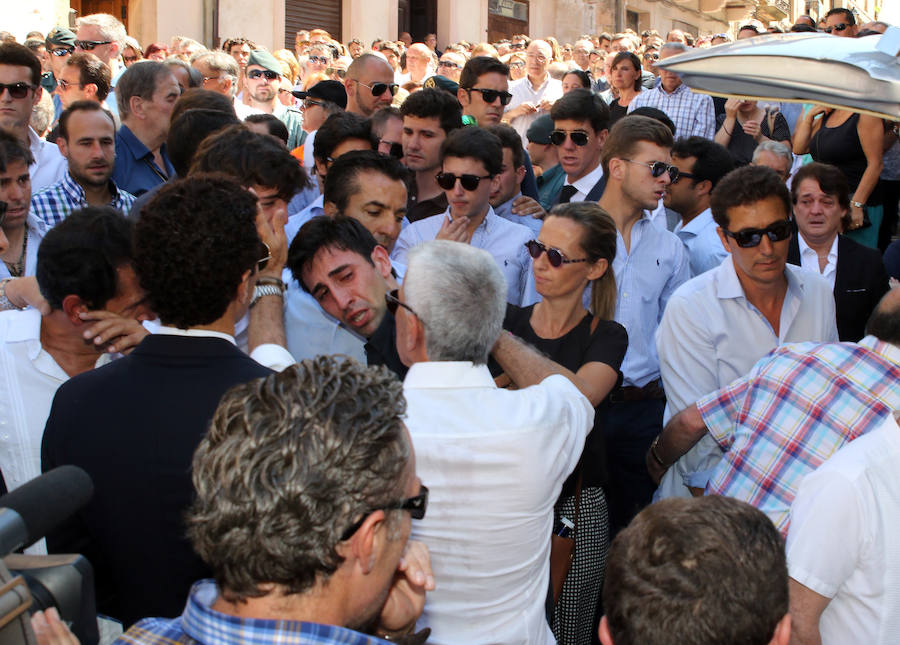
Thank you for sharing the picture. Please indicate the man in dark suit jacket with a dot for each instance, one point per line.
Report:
(821, 197)
(134, 424)
(581, 123)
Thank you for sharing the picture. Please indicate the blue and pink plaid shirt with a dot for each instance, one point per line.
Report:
(203, 625)
(794, 409)
(54, 204)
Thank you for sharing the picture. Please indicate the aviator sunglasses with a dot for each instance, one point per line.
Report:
(657, 168)
(749, 237)
(269, 74)
(558, 137)
(555, 257)
(88, 45)
(447, 180)
(379, 88)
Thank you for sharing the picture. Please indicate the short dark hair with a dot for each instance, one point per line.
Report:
(81, 106)
(628, 132)
(509, 138)
(478, 66)
(802, 27)
(341, 184)
(635, 61)
(341, 233)
(193, 243)
(583, 77)
(140, 80)
(704, 570)
(713, 161)
(848, 15)
(12, 149)
(654, 113)
(381, 117)
(251, 159)
(12, 53)
(189, 130)
(475, 143)
(231, 42)
(747, 185)
(274, 125)
(832, 181)
(338, 128)
(80, 256)
(92, 70)
(195, 98)
(433, 103)
(582, 105)
(884, 323)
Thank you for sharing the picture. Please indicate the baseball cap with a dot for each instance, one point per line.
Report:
(332, 91)
(540, 129)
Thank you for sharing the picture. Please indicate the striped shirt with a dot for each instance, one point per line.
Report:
(692, 114)
(202, 624)
(53, 204)
(794, 409)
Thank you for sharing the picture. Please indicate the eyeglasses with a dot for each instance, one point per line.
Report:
(415, 505)
(211, 78)
(657, 168)
(319, 59)
(489, 96)
(308, 103)
(558, 137)
(517, 64)
(448, 63)
(62, 51)
(539, 59)
(651, 56)
(65, 85)
(392, 300)
(378, 89)
(88, 45)
(17, 90)
(683, 175)
(269, 74)
(839, 27)
(333, 70)
(447, 181)
(750, 237)
(555, 257)
(263, 262)
(517, 46)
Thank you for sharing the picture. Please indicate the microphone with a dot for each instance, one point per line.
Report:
(34, 509)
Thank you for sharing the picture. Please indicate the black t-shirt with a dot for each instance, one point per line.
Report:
(741, 145)
(606, 344)
(616, 112)
(381, 348)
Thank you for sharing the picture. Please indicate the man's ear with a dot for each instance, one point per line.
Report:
(364, 544)
(724, 238)
(602, 136)
(782, 635)
(520, 174)
(245, 289)
(73, 305)
(136, 106)
(704, 187)
(330, 209)
(91, 90)
(63, 146)
(463, 97)
(321, 168)
(382, 261)
(604, 633)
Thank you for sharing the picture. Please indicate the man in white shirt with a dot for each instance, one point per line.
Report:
(718, 325)
(471, 164)
(494, 459)
(40, 352)
(420, 63)
(843, 543)
(580, 127)
(701, 164)
(534, 94)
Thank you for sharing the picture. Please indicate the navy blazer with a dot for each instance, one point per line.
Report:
(133, 425)
(860, 281)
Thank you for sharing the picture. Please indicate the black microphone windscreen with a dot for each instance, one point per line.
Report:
(47, 501)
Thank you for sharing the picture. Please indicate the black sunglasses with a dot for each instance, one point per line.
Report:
(62, 51)
(657, 168)
(308, 103)
(379, 88)
(489, 96)
(448, 63)
(392, 300)
(16, 90)
(415, 505)
(269, 74)
(682, 175)
(447, 180)
(558, 137)
(88, 45)
(517, 46)
(750, 237)
(555, 257)
(839, 27)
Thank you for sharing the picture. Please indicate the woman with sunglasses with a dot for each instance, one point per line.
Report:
(625, 82)
(575, 249)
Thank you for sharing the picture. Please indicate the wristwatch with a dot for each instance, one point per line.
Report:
(5, 303)
(857, 204)
(267, 289)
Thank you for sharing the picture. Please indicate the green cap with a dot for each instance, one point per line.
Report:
(265, 60)
(60, 36)
(441, 83)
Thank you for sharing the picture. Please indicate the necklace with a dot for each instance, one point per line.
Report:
(17, 269)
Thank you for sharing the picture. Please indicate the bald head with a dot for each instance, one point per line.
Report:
(368, 82)
(884, 323)
(418, 61)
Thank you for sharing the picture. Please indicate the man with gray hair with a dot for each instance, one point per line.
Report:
(494, 459)
(221, 73)
(536, 92)
(776, 156)
(103, 36)
(146, 98)
(322, 555)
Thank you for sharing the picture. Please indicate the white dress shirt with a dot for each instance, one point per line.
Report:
(35, 234)
(585, 184)
(494, 461)
(809, 259)
(49, 165)
(523, 92)
(503, 239)
(710, 335)
(702, 242)
(296, 222)
(844, 539)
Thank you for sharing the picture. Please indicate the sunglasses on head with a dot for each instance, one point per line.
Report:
(839, 27)
(415, 505)
(16, 90)
(378, 89)
(555, 257)
(750, 237)
(269, 74)
(62, 51)
(447, 181)
(319, 59)
(658, 168)
(558, 137)
(489, 96)
(88, 45)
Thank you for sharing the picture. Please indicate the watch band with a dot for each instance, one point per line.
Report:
(5, 303)
(857, 204)
(266, 290)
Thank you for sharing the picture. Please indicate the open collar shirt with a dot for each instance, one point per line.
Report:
(36, 232)
(711, 334)
(693, 114)
(794, 409)
(809, 259)
(49, 165)
(54, 204)
(494, 461)
(135, 169)
(705, 249)
(523, 92)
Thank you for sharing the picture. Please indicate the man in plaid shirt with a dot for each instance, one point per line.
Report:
(87, 139)
(794, 409)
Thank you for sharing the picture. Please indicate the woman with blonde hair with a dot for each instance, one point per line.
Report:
(575, 249)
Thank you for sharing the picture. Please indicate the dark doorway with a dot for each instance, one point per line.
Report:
(117, 8)
(418, 17)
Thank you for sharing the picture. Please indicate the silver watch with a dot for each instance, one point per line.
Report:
(266, 290)
(857, 204)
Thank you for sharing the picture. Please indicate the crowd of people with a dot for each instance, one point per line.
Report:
(513, 342)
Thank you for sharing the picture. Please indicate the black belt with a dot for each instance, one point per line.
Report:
(653, 391)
